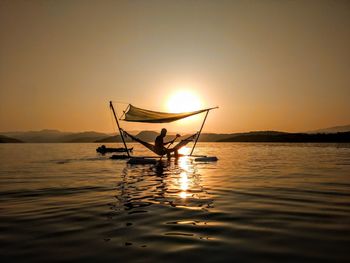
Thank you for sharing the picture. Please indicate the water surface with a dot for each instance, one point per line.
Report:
(258, 203)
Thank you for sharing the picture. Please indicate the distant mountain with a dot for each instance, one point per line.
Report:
(5, 139)
(38, 136)
(248, 136)
(344, 128)
(114, 138)
(289, 137)
(213, 137)
(55, 136)
(89, 136)
(148, 136)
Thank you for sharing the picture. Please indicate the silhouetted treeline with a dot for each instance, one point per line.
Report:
(5, 139)
(53, 136)
(291, 137)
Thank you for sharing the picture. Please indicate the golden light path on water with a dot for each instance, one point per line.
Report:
(183, 181)
(184, 151)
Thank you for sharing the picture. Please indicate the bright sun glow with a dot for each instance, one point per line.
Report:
(183, 101)
(184, 150)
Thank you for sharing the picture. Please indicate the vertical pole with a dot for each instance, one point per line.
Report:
(199, 133)
(121, 134)
(124, 111)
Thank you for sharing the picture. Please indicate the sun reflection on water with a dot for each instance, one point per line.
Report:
(184, 182)
(184, 150)
(176, 183)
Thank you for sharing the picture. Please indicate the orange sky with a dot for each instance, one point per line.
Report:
(269, 65)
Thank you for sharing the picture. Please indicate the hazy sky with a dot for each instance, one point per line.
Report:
(269, 65)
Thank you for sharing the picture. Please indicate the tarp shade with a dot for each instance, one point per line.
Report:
(135, 114)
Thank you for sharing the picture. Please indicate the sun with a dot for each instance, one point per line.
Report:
(183, 101)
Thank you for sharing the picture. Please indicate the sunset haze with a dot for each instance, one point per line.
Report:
(268, 65)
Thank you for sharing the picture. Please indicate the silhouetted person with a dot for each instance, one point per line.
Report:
(160, 144)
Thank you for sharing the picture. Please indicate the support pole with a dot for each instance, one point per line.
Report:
(199, 133)
(124, 111)
(121, 134)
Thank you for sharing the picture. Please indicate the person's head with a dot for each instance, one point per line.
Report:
(163, 132)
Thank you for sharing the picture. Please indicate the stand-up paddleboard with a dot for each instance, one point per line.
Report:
(103, 149)
(155, 159)
(119, 157)
(206, 159)
(140, 160)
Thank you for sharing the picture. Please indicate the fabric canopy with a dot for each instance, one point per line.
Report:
(135, 114)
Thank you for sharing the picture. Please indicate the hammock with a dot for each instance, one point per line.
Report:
(134, 114)
(163, 151)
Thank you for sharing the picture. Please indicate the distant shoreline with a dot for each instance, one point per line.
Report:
(340, 137)
(255, 137)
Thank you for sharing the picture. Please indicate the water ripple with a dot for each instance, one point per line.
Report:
(259, 203)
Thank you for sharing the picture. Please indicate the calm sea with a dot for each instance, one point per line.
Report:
(258, 203)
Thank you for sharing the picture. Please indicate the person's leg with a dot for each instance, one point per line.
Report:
(168, 152)
(174, 150)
